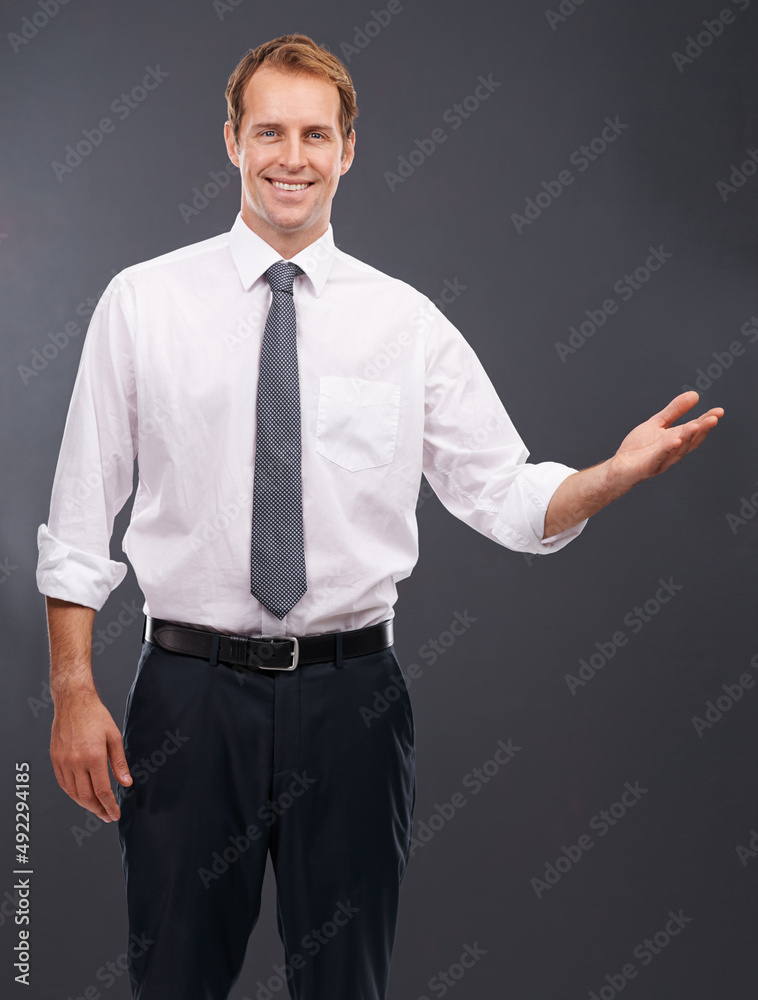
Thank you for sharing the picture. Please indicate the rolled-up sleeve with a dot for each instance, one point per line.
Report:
(93, 477)
(474, 459)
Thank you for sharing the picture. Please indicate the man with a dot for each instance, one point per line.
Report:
(283, 508)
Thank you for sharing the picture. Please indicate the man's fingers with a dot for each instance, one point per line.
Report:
(104, 794)
(699, 436)
(101, 787)
(678, 406)
(702, 427)
(66, 778)
(86, 797)
(688, 437)
(59, 775)
(68, 782)
(654, 446)
(661, 459)
(682, 404)
(676, 448)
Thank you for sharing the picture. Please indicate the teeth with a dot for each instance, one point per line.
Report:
(290, 187)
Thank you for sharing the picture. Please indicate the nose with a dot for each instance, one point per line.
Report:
(292, 153)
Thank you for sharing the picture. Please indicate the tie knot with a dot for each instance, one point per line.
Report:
(282, 275)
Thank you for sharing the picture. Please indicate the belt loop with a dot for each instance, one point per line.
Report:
(338, 650)
(214, 649)
(144, 626)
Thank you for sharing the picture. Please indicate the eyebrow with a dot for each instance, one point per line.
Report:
(306, 128)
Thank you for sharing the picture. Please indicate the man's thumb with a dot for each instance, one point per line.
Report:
(118, 761)
(678, 406)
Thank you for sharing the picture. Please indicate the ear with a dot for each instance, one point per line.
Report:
(231, 147)
(349, 153)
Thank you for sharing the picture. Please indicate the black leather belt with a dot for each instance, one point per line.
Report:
(266, 652)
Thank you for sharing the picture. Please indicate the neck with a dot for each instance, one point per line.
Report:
(286, 245)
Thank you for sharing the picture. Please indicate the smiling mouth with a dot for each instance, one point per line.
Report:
(283, 186)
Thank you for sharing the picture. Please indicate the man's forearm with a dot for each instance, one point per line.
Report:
(84, 737)
(580, 496)
(70, 630)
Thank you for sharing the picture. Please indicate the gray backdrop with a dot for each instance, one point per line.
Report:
(547, 894)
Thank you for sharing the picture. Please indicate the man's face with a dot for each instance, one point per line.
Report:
(290, 134)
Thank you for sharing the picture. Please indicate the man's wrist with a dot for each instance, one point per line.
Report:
(598, 485)
(583, 494)
(69, 687)
(614, 480)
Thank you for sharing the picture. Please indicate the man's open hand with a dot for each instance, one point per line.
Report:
(650, 448)
(656, 445)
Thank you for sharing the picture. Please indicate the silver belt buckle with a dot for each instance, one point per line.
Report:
(295, 650)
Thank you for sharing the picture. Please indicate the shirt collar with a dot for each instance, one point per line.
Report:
(253, 256)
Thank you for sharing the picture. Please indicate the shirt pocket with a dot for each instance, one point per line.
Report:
(357, 421)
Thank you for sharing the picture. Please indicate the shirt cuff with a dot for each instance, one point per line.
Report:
(527, 506)
(72, 574)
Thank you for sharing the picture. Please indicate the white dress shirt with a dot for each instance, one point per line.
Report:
(389, 388)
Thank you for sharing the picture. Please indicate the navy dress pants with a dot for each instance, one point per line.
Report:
(227, 766)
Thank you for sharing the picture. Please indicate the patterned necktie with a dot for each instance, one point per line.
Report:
(277, 573)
